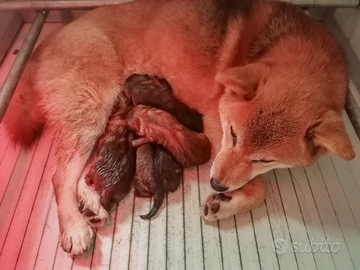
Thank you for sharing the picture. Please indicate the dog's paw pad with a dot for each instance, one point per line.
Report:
(99, 219)
(215, 207)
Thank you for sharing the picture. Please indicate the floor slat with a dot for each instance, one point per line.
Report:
(278, 222)
(175, 231)
(25, 205)
(212, 254)
(122, 234)
(310, 217)
(193, 242)
(330, 223)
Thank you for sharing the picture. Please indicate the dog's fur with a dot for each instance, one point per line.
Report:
(263, 74)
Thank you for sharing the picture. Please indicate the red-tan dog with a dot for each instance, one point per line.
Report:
(269, 80)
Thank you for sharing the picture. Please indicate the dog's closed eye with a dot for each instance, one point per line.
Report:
(233, 135)
(262, 161)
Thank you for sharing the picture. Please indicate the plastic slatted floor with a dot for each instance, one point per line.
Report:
(315, 210)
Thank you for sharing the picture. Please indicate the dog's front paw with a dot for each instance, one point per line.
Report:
(217, 206)
(90, 206)
(224, 205)
(76, 236)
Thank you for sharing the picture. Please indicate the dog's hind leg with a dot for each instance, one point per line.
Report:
(220, 206)
(76, 235)
(73, 152)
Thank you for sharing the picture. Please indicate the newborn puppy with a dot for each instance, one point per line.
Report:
(114, 169)
(155, 92)
(154, 168)
(189, 147)
(157, 173)
(153, 125)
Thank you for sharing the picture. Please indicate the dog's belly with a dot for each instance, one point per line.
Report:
(79, 72)
(166, 38)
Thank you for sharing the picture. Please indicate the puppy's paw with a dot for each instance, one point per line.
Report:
(90, 206)
(218, 206)
(76, 236)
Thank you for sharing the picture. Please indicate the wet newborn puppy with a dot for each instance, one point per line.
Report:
(188, 147)
(114, 169)
(157, 171)
(153, 125)
(155, 92)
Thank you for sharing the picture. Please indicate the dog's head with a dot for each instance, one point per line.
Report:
(275, 117)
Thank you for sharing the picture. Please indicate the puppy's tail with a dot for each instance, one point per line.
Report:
(24, 120)
(158, 199)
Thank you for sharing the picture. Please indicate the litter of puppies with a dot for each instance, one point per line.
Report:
(155, 169)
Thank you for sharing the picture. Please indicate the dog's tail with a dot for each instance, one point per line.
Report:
(24, 120)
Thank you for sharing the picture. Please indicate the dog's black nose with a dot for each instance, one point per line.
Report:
(216, 186)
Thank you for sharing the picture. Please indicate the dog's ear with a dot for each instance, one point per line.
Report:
(242, 81)
(330, 136)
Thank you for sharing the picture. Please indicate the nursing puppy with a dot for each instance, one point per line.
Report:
(114, 170)
(182, 129)
(269, 81)
(157, 171)
(113, 162)
(153, 125)
(156, 92)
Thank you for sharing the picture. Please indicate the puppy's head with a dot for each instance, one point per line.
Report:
(276, 117)
(147, 90)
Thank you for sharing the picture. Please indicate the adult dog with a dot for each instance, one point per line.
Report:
(269, 80)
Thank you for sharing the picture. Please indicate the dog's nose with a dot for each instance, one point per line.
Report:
(216, 186)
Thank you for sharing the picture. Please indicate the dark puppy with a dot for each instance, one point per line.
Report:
(155, 92)
(114, 169)
(183, 140)
(157, 171)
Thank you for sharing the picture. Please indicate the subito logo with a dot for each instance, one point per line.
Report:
(280, 246)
